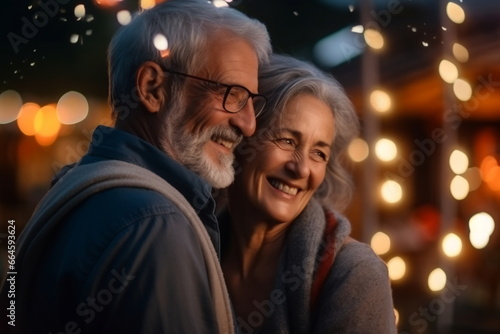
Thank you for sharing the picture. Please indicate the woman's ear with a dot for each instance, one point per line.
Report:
(149, 82)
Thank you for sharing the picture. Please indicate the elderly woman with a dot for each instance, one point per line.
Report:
(289, 263)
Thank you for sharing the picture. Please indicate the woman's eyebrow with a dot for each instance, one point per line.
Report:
(298, 134)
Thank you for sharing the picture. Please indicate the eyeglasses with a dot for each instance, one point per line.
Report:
(235, 96)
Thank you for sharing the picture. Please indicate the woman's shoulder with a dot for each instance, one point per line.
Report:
(356, 256)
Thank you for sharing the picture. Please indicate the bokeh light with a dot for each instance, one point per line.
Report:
(374, 38)
(490, 172)
(380, 101)
(220, 3)
(459, 187)
(10, 106)
(72, 108)
(386, 149)
(358, 150)
(79, 11)
(448, 71)
(462, 90)
(455, 12)
(107, 3)
(123, 17)
(473, 176)
(358, 29)
(460, 52)
(452, 245)
(73, 39)
(391, 191)
(146, 4)
(437, 280)
(481, 226)
(47, 125)
(380, 243)
(397, 268)
(459, 162)
(26, 119)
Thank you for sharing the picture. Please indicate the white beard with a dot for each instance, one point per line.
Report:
(189, 149)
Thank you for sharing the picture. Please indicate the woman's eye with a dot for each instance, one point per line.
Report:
(285, 143)
(320, 156)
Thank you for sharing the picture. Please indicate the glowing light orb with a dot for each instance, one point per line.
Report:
(380, 243)
(386, 149)
(452, 245)
(397, 268)
(10, 106)
(437, 280)
(391, 192)
(72, 108)
(358, 150)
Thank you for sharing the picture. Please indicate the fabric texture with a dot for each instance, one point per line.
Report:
(127, 260)
(355, 298)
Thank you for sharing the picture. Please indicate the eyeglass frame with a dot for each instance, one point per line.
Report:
(226, 93)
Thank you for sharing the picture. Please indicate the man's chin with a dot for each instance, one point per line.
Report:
(219, 174)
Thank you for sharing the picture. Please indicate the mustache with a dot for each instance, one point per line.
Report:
(225, 133)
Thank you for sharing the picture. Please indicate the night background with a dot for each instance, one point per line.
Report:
(424, 76)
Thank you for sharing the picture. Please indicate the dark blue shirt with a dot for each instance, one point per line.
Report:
(127, 260)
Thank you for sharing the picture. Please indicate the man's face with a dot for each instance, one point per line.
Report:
(206, 134)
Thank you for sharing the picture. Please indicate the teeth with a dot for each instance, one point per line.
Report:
(226, 143)
(284, 188)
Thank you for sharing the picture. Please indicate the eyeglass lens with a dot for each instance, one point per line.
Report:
(237, 97)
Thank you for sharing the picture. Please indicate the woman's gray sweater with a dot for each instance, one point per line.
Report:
(355, 298)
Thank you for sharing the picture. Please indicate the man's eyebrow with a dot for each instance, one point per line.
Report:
(298, 134)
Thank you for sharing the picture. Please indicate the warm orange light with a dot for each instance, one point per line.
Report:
(47, 125)
(107, 3)
(493, 178)
(45, 141)
(490, 172)
(26, 118)
(489, 162)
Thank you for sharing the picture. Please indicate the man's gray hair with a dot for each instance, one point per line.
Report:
(188, 26)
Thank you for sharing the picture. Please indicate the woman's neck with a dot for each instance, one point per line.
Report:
(255, 244)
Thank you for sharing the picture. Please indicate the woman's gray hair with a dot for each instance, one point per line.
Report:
(286, 77)
(189, 26)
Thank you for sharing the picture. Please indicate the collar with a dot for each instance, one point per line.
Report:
(111, 143)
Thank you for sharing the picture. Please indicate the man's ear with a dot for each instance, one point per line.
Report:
(149, 83)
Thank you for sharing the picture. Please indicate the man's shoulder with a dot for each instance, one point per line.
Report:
(129, 203)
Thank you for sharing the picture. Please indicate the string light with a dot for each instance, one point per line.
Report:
(10, 106)
(455, 13)
(391, 191)
(358, 150)
(380, 101)
(452, 245)
(448, 71)
(380, 243)
(459, 162)
(374, 38)
(386, 149)
(437, 280)
(462, 90)
(459, 187)
(397, 268)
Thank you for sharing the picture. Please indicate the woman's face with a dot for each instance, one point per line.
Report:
(289, 161)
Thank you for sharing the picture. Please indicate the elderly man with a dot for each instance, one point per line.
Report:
(126, 241)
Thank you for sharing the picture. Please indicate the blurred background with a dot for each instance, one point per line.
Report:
(424, 76)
